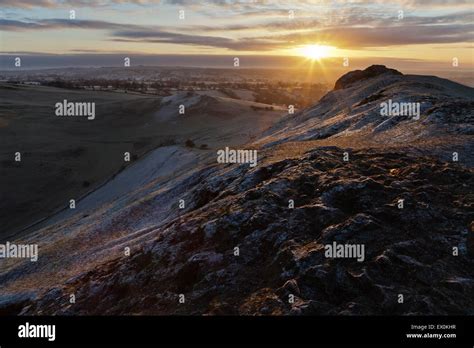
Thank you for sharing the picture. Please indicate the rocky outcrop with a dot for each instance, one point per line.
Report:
(360, 75)
(281, 266)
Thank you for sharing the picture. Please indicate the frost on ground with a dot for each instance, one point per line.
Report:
(346, 172)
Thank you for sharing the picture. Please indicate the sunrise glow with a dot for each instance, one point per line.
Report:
(315, 52)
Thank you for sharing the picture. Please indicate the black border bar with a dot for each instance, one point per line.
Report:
(192, 330)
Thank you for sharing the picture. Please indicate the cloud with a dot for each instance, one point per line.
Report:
(369, 37)
(396, 35)
(358, 37)
(342, 37)
(347, 17)
(61, 23)
(354, 28)
(27, 4)
(249, 44)
(241, 6)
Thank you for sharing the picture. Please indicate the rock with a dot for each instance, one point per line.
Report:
(14, 303)
(360, 75)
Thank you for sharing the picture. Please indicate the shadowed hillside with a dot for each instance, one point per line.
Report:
(67, 158)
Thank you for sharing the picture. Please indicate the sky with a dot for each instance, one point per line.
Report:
(430, 32)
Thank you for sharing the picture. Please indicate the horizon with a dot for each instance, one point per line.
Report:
(316, 74)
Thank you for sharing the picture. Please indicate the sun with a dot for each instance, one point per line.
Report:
(315, 52)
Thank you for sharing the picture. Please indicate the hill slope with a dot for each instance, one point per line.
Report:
(350, 115)
(281, 250)
(67, 158)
